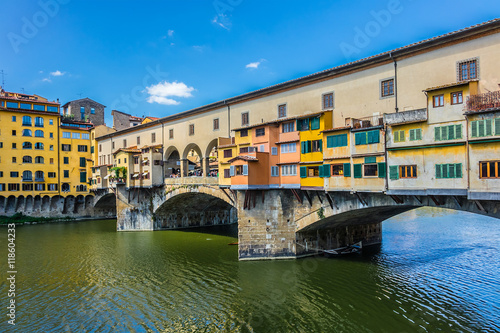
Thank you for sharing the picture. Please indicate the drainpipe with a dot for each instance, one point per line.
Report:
(467, 153)
(395, 80)
(228, 119)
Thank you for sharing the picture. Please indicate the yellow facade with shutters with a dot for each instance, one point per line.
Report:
(228, 148)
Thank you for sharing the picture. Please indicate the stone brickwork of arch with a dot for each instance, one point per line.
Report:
(208, 190)
(189, 147)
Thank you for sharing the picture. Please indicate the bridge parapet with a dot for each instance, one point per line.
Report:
(192, 181)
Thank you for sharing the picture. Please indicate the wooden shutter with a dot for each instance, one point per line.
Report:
(381, 170)
(393, 172)
(488, 127)
(458, 131)
(245, 170)
(439, 173)
(497, 126)
(412, 134)
(343, 140)
(458, 170)
(474, 126)
(480, 131)
(418, 134)
(303, 172)
(321, 171)
(437, 133)
(83, 177)
(327, 170)
(330, 141)
(347, 169)
(376, 136)
(451, 132)
(321, 145)
(303, 147)
(358, 171)
(231, 171)
(360, 138)
(308, 146)
(451, 170)
(396, 136)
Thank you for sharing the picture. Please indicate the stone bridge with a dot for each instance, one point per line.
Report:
(48, 206)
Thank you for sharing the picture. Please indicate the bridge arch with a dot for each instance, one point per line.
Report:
(105, 205)
(172, 158)
(189, 147)
(211, 145)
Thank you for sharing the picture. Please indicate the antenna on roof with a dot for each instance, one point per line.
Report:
(3, 78)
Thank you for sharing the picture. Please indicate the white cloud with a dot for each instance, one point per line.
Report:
(170, 33)
(160, 92)
(46, 80)
(57, 73)
(222, 21)
(255, 65)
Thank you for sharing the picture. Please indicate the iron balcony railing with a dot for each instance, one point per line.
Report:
(483, 101)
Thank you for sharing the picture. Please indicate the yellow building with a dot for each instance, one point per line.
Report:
(337, 158)
(29, 145)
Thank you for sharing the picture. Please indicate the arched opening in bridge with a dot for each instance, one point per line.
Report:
(192, 158)
(105, 206)
(172, 164)
(211, 168)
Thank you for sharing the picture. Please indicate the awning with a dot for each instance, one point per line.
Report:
(145, 174)
(136, 175)
(106, 177)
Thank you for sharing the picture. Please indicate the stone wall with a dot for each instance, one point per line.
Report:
(88, 104)
(121, 120)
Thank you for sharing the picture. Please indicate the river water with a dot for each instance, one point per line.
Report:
(437, 271)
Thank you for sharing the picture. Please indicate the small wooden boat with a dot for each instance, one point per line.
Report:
(354, 248)
(234, 243)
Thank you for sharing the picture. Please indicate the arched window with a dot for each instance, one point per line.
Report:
(27, 176)
(65, 187)
(27, 145)
(26, 132)
(38, 145)
(39, 160)
(39, 133)
(39, 176)
(38, 122)
(26, 121)
(27, 159)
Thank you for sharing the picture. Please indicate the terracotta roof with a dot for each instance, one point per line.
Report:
(136, 118)
(244, 158)
(284, 163)
(153, 146)
(336, 157)
(289, 141)
(128, 150)
(152, 118)
(227, 146)
(20, 99)
(82, 99)
(450, 85)
(337, 129)
(311, 114)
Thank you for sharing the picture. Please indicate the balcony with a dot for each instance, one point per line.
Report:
(365, 122)
(406, 117)
(481, 102)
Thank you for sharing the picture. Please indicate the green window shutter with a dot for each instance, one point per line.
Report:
(480, 131)
(396, 136)
(299, 125)
(393, 172)
(473, 126)
(360, 138)
(412, 134)
(439, 173)
(381, 170)
(83, 177)
(308, 146)
(91, 149)
(458, 131)
(437, 133)
(320, 145)
(321, 171)
(326, 170)
(369, 136)
(82, 162)
(451, 132)
(303, 147)
(347, 169)
(497, 126)
(315, 123)
(303, 172)
(458, 170)
(376, 136)
(357, 171)
(451, 170)
(330, 141)
(488, 128)
(402, 136)
(418, 135)
(344, 138)
(371, 159)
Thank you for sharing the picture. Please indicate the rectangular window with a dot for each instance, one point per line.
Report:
(243, 150)
(13, 132)
(448, 171)
(153, 137)
(51, 135)
(337, 169)
(66, 135)
(260, 131)
(303, 124)
(66, 173)
(52, 187)
(261, 148)
(125, 143)
(456, 98)
(489, 169)
(315, 123)
(243, 133)
(92, 110)
(415, 134)
(450, 132)
(244, 119)
(13, 105)
(82, 148)
(288, 148)
(227, 173)
(363, 138)
(333, 141)
(14, 145)
(274, 150)
(14, 118)
(399, 136)
(289, 170)
(100, 148)
(228, 153)
(51, 174)
(75, 136)
(14, 160)
(171, 134)
(66, 160)
(65, 147)
(438, 101)
(191, 129)
(328, 101)
(408, 171)
(136, 160)
(14, 174)
(83, 177)
(282, 111)
(216, 124)
(370, 170)
(83, 162)
(275, 172)
(39, 187)
(313, 171)
(387, 88)
(467, 70)
(51, 160)
(138, 140)
(85, 136)
(483, 127)
(288, 127)
(13, 187)
(82, 109)
(316, 145)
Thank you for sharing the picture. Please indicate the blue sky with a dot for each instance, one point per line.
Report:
(156, 58)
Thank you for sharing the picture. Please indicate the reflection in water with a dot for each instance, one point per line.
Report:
(436, 271)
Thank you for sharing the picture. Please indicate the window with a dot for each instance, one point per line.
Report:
(415, 134)
(489, 169)
(244, 119)
(313, 171)
(289, 170)
(26, 145)
(65, 187)
(387, 88)
(191, 129)
(51, 122)
(228, 153)
(456, 98)
(39, 133)
(13, 132)
(484, 127)
(311, 146)
(171, 134)
(227, 173)
(363, 138)
(82, 110)
(316, 145)
(113, 145)
(66, 135)
(450, 132)
(27, 159)
(125, 143)
(260, 131)
(315, 123)
(261, 148)
(243, 133)
(75, 135)
(370, 170)
(91, 149)
(328, 101)
(339, 140)
(27, 187)
(288, 148)
(13, 118)
(51, 135)
(275, 171)
(467, 70)
(92, 110)
(408, 171)
(27, 175)
(13, 105)
(39, 176)
(85, 136)
(65, 147)
(51, 147)
(337, 169)
(51, 187)
(100, 148)
(39, 146)
(438, 101)
(82, 148)
(240, 170)
(66, 173)
(274, 150)
(27, 132)
(14, 174)
(153, 137)
(216, 124)
(39, 187)
(39, 160)
(38, 122)
(288, 127)
(83, 177)
(14, 160)
(66, 160)
(449, 170)
(282, 111)
(399, 136)
(51, 161)
(51, 174)
(13, 187)
(2, 187)
(26, 106)
(26, 121)
(138, 140)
